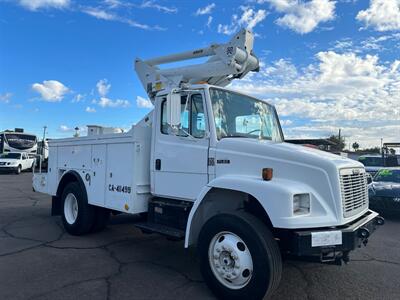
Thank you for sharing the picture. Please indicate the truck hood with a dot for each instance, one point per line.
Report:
(295, 167)
(288, 153)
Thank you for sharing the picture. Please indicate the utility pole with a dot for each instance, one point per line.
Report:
(42, 148)
(44, 132)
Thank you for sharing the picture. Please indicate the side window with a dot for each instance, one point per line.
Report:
(184, 117)
(192, 117)
(197, 120)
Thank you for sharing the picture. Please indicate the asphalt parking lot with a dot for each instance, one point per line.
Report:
(38, 260)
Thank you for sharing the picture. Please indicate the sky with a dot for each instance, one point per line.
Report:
(325, 64)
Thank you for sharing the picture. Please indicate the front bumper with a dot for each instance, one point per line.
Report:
(330, 244)
(8, 168)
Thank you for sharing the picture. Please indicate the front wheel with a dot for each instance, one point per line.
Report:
(239, 257)
(18, 170)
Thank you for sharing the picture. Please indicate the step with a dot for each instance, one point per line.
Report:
(161, 229)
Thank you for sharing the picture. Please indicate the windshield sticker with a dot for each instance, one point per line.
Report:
(385, 173)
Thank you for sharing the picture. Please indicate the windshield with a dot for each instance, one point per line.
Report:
(11, 155)
(388, 175)
(236, 115)
(20, 141)
(371, 161)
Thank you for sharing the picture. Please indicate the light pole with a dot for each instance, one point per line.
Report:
(44, 132)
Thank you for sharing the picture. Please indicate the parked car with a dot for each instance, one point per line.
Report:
(384, 191)
(374, 162)
(16, 162)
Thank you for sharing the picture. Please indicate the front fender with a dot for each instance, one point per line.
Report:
(275, 197)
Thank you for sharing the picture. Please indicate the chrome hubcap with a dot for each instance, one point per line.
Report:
(230, 260)
(70, 208)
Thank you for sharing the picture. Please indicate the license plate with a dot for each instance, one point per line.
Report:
(326, 238)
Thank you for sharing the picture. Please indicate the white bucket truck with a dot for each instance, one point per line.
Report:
(209, 165)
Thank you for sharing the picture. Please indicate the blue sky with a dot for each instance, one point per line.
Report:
(325, 64)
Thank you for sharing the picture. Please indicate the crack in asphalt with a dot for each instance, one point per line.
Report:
(106, 247)
(38, 296)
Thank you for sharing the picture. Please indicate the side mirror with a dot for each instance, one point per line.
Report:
(369, 178)
(174, 109)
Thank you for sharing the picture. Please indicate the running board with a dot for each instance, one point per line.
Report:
(161, 229)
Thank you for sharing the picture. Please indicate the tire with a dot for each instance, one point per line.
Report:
(19, 170)
(243, 234)
(101, 218)
(77, 219)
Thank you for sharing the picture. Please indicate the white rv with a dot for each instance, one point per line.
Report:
(209, 165)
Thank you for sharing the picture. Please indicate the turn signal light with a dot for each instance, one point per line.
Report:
(267, 174)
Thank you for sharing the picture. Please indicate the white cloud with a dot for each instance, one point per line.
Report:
(382, 15)
(205, 10)
(102, 14)
(209, 21)
(5, 98)
(339, 90)
(106, 102)
(286, 122)
(65, 128)
(103, 87)
(51, 90)
(153, 4)
(90, 109)
(78, 98)
(303, 17)
(249, 19)
(113, 3)
(39, 4)
(143, 103)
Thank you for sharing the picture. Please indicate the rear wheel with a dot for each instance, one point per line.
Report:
(78, 215)
(239, 257)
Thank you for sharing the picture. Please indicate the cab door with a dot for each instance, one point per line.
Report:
(179, 162)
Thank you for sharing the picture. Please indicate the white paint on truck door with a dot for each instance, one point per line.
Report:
(180, 162)
(96, 193)
(119, 176)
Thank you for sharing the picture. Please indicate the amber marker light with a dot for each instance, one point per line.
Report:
(267, 174)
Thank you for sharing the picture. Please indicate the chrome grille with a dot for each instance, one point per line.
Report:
(353, 184)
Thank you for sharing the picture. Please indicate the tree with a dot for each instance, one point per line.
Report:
(355, 146)
(339, 144)
(372, 150)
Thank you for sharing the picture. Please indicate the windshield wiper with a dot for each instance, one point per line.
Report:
(235, 136)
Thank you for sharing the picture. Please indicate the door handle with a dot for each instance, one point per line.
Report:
(158, 164)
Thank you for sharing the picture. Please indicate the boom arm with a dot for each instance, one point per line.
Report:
(227, 61)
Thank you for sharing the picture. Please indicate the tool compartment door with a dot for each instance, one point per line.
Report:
(98, 177)
(119, 176)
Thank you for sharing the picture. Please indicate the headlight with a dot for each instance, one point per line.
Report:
(301, 204)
